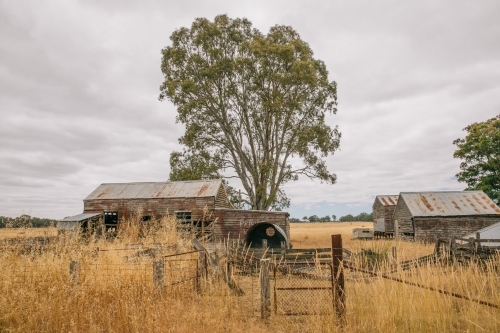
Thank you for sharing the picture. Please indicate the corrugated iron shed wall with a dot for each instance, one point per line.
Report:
(187, 189)
(460, 203)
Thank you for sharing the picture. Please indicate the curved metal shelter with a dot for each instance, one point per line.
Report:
(265, 230)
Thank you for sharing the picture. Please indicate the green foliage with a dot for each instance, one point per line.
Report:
(480, 155)
(26, 221)
(294, 220)
(361, 217)
(193, 166)
(251, 102)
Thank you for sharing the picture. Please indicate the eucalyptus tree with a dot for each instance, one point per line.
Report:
(480, 155)
(256, 103)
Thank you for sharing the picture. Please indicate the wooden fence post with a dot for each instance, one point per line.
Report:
(338, 278)
(74, 272)
(265, 289)
(264, 243)
(395, 254)
(158, 274)
(203, 264)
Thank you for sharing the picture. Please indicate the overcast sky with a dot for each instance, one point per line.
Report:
(79, 86)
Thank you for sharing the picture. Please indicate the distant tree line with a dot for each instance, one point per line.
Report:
(26, 221)
(361, 217)
(348, 218)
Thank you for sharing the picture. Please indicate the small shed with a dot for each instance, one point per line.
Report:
(79, 222)
(362, 233)
(490, 232)
(383, 210)
(431, 215)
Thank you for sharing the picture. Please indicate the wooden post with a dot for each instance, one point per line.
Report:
(478, 240)
(283, 248)
(202, 272)
(395, 254)
(264, 243)
(396, 229)
(471, 245)
(74, 272)
(453, 245)
(158, 274)
(338, 278)
(265, 289)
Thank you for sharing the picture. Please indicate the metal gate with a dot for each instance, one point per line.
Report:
(303, 288)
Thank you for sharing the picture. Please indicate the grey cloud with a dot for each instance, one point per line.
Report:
(79, 87)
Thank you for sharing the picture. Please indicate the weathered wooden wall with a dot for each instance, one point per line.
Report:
(403, 215)
(385, 212)
(127, 208)
(431, 228)
(235, 223)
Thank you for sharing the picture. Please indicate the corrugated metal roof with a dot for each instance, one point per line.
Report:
(79, 217)
(388, 200)
(187, 189)
(491, 232)
(449, 203)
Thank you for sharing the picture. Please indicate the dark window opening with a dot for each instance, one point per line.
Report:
(146, 218)
(183, 216)
(110, 219)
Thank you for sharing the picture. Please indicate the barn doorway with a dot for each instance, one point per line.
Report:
(265, 230)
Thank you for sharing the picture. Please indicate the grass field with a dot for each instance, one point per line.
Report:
(36, 294)
(27, 232)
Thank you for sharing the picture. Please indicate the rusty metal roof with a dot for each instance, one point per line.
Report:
(449, 203)
(79, 217)
(185, 189)
(388, 200)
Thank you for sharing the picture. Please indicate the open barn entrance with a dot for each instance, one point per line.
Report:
(265, 230)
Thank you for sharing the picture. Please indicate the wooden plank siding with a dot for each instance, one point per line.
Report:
(385, 212)
(234, 223)
(404, 217)
(432, 228)
(128, 208)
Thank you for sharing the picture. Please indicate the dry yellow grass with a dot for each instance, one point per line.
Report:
(36, 294)
(27, 232)
(318, 235)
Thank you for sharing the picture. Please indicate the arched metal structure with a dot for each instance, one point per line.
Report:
(265, 230)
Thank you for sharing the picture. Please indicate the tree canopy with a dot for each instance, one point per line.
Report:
(252, 103)
(480, 155)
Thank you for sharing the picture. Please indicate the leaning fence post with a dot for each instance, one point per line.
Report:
(203, 264)
(158, 274)
(395, 254)
(338, 278)
(74, 272)
(265, 289)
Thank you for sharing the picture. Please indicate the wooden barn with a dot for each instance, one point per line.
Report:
(431, 215)
(382, 211)
(200, 204)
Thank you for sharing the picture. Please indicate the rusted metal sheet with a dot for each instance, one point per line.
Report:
(459, 203)
(388, 200)
(187, 189)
